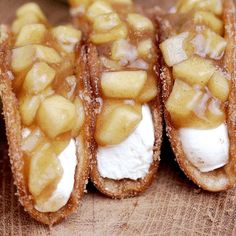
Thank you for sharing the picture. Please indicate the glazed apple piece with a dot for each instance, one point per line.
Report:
(145, 49)
(219, 86)
(47, 54)
(28, 108)
(32, 8)
(31, 34)
(45, 170)
(184, 6)
(98, 8)
(31, 139)
(207, 43)
(123, 84)
(119, 32)
(195, 70)
(215, 6)
(22, 58)
(116, 122)
(29, 104)
(80, 117)
(124, 51)
(210, 20)
(215, 44)
(29, 13)
(67, 37)
(149, 91)
(38, 78)
(139, 22)
(59, 144)
(215, 114)
(56, 115)
(28, 19)
(106, 22)
(181, 103)
(173, 49)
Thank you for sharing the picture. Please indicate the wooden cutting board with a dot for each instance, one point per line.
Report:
(171, 206)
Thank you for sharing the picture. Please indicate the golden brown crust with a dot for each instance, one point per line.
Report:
(13, 130)
(126, 187)
(230, 64)
(216, 180)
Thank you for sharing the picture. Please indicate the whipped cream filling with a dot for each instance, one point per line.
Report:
(61, 195)
(206, 149)
(133, 157)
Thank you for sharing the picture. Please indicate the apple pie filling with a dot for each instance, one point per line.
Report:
(198, 102)
(51, 110)
(125, 41)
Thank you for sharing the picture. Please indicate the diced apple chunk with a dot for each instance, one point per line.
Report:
(59, 144)
(67, 37)
(139, 22)
(22, 58)
(31, 34)
(123, 50)
(115, 126)
(80, 117)
(109, 105)
(45, 170)
(145, 48)
(30, 8)
(208, 19)
(123, 84)
(215, 44)
(184, 6)
(47, 54)
(28, 108)
(18, 24)
(66, 34)
(195, 70)
(149, 91)
(214, 114)
(106, 22)
(215, 6)
(38, 78)
(181, 103)
(116, 33)
(98, 8)
(219, 86)
(173, 49)
(31, 142)
(208, 43)
(56, 115)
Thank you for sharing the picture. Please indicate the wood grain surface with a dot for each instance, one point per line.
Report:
(172, 206)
